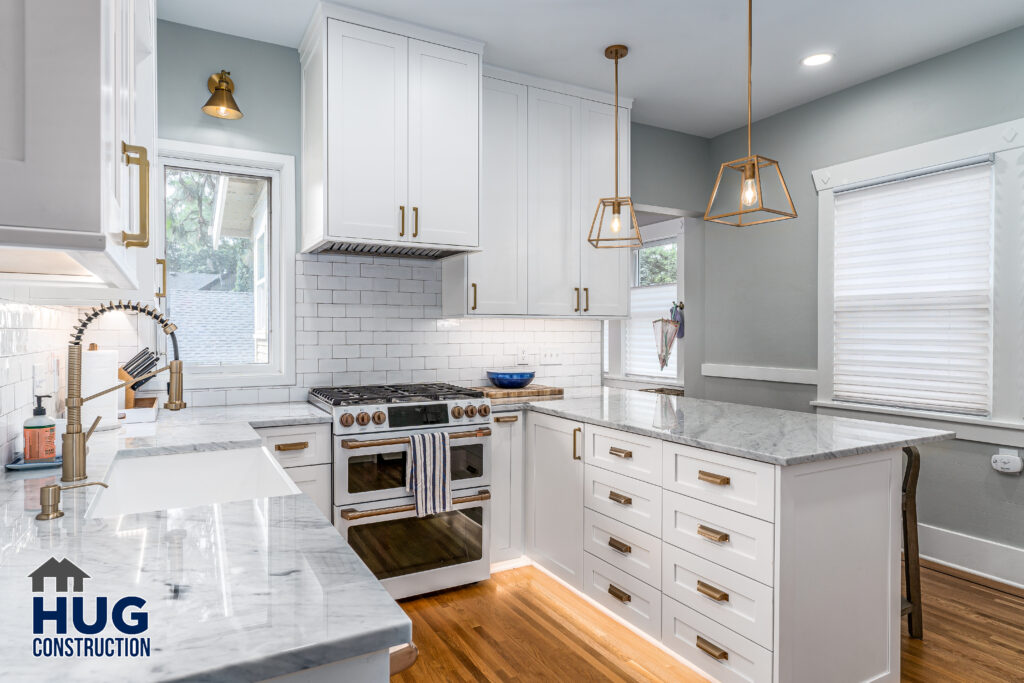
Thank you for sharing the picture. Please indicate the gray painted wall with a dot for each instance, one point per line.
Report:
(267, 89)
(669, 168)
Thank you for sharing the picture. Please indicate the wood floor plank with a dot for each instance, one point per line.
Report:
(524, 626)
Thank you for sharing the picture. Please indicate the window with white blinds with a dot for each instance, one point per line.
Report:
(913, 292)
(647, 304)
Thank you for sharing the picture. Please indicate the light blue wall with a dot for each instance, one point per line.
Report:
(669, 168)
(267, 89)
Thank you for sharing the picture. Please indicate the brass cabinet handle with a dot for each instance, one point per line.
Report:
(712, 534)
(577, 309)
(507, 418)
(712, 478)
(352, 513)
(712, 592)
(619, 498)
(713, 650)
(474, 297)
(620, 453)
(619, 545)
(619, 594)
(136, 154)
(163, 290)
(575, 451)
(401, 230)
(586, 292)
(415, 221)
(297, 446)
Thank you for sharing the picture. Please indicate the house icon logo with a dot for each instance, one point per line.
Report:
(63, 572)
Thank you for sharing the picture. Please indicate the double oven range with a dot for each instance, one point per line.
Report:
(371, 429)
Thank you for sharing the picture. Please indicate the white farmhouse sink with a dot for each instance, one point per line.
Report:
(161, 482)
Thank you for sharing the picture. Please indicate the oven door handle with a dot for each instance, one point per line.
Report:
(351, 514)
(370, 443)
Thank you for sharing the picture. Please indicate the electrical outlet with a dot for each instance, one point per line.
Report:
(522, 356)
(1007, 460)
(550, 356)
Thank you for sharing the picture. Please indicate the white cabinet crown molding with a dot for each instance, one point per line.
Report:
(502, 74)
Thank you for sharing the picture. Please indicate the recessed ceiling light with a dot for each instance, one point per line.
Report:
(817, 59)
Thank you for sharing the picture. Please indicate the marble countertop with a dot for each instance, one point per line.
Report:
(779, 437)
(236, 591)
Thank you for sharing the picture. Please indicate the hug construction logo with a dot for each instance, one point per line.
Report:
(95, 630)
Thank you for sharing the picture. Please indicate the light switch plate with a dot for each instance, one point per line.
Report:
(550, 356)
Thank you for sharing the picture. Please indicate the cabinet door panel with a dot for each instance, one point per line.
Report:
(555, 499)
(507, 489)
(315, 482)
(554, 223)
(444, 142)
(367, 114)
(498, 271)
(604, 273)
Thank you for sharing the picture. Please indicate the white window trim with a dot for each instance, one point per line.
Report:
(281, 258)
(615, 375)
(1005, 144)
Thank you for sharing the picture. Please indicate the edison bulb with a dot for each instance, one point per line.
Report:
(748, 196)
(616, 224)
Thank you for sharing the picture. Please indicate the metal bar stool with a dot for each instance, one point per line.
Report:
(911, 605)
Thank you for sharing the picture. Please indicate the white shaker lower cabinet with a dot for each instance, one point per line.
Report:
(507, 470)
(304, 451)
(554, 496)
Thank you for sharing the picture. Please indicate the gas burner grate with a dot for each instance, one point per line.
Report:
(393, 393)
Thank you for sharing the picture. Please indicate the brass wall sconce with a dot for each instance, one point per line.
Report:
(221, 104)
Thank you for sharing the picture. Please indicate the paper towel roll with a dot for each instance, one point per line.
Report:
(99, 372)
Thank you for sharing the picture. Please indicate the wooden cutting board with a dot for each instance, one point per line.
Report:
(527, 391)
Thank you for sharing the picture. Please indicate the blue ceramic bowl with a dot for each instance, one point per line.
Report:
(510, 380)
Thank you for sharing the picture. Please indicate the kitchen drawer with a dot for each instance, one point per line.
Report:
(743, 661)
(628, 500)
(625, 453)
(623, 547)
(731, 599)
(299, 445)
(743, 485)
(625, 595)
(747, 544)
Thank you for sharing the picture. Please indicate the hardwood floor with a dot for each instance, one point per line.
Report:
(522, 625)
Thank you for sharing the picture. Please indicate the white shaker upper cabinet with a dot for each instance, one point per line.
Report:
(444, 144)
(554, 198)
(367, 129)
(497, 273)
(604, 273)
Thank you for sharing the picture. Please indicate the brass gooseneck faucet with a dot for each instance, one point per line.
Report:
(75, 450)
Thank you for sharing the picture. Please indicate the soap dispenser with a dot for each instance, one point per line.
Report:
(40, 434)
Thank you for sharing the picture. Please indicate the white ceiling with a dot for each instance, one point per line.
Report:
(687, 58)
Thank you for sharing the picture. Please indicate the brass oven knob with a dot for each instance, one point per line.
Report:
(347, 420)
(470, 411)
(484, 410)
(457, 412)
(363, 419)
(379, 417)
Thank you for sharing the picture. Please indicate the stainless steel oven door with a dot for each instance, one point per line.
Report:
(372, 468)
(412, 555)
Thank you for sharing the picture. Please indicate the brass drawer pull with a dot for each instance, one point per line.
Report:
(712, 478)
(401, 230)
(619, 594)
(577, 309)
(713, 650)
(712, 534)
(619, 545)
(136, 155)
(297, 446)
(415, 221)
(712, 592)
(586, 306)
(620, 453)
(163, 290)
(507, 418)
(619, 498)
(474, 297)
(575, 451)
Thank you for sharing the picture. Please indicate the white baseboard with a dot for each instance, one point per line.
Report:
(761, 373)
(505, 565)
(990, 559)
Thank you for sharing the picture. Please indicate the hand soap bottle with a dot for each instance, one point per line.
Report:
(40, 434)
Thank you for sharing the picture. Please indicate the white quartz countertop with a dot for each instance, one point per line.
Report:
(237, 591)
(779, 437)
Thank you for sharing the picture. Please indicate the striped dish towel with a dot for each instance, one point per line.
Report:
(428, 473)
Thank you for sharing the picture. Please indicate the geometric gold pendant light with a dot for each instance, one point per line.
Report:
(750, 190)
(610, 233)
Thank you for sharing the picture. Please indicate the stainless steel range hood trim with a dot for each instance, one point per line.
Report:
(392, 249)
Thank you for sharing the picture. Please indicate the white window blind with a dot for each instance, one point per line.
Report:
(647, 304)
(913, 292)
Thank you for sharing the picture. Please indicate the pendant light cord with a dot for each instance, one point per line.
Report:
(615, 105)
(750, 49)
